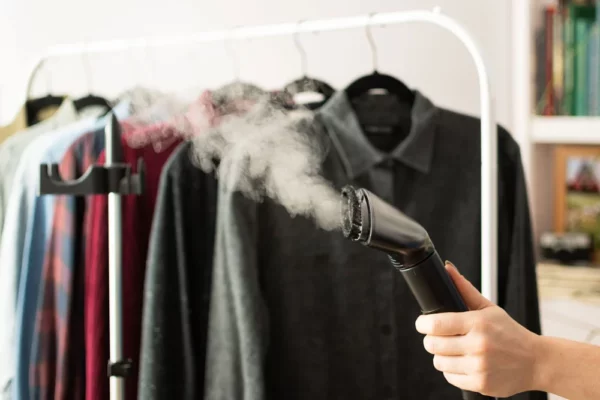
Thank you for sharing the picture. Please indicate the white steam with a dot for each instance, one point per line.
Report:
(239, 130)
(272, 153)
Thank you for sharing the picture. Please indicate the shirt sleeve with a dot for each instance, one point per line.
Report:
(11, 253)
(521, 291)
(237, 337)
(521, 295)
(177, 283)
(158, 374)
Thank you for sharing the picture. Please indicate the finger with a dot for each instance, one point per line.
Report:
(446, 345)
(461, 381)
(445, 324)
(471, 296)
(451, 364)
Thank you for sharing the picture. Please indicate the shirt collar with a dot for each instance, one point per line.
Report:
(359, 155)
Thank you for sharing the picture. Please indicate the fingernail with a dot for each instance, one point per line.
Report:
(419, 324)
(449, 263)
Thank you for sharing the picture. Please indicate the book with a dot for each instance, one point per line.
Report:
(540, 70)
(577, 25)
(568, 104)
(582, 36)
(593, 70)
(558, 61)
(595, 89)
(548, 93)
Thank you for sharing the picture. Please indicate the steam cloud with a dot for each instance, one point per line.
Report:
(272, 153)
(269, 151)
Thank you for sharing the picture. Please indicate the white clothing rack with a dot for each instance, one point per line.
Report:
(489, 206)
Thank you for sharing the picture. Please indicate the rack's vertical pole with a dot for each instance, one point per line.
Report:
(114, 155)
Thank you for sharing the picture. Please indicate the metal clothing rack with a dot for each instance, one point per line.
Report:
(115, 178)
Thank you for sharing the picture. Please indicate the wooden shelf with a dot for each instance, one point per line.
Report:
(577, 283)
(566, 130)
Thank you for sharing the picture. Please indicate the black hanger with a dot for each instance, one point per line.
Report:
(376, 80)
(307, 85)
(366, 84)
(92, 101)
(35, 106)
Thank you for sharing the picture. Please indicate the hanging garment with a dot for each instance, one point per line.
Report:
(137, 212)
(32, 219)
(178, 278)
(16, 245)
(18, 124)
(179, 266)
(301, 313)
(58, 340)
(39, 223)
(12, 148)
(11, 152)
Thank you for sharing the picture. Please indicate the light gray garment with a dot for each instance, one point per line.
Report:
(13, 147)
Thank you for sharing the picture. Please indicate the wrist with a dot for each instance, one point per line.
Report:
(542, 363)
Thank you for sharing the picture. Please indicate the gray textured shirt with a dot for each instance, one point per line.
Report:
(177, 283)
(300, 313)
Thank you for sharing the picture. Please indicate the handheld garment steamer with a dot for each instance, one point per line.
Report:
(371, 221)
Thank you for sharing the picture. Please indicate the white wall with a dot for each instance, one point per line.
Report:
(423, 56)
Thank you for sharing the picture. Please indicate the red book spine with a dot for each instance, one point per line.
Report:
(549, 108)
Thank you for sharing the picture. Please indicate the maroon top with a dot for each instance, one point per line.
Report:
(137, 220)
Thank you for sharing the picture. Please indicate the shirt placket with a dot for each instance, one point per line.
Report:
(383, 180)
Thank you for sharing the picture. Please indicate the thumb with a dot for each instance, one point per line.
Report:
(471, 296)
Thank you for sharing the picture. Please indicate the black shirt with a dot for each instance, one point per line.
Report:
(300, 313)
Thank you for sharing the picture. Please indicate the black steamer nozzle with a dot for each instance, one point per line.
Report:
(369, 220)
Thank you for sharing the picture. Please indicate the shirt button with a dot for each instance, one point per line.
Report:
(386, 329)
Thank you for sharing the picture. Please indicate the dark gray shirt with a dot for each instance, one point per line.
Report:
(177, 286)
(300, 313)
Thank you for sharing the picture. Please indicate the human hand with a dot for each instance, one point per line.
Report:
(483, 350)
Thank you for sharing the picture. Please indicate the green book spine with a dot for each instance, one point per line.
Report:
(568, 103)
(593, 70)
(578, 20)
(582, 36)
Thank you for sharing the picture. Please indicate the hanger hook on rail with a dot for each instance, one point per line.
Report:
(48, 76)
(229, 47)
(301, 50)
(371, 41)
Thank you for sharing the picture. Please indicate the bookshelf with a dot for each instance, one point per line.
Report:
(567, 296)
(539, 135)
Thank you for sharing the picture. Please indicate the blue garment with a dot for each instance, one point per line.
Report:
(11, 153)
(48, 149)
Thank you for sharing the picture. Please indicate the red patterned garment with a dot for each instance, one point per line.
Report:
(58, 369)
